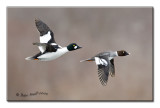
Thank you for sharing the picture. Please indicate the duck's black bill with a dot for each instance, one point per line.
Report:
(127, 53)
(79, 47)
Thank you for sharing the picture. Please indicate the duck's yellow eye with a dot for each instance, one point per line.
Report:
(74, 45)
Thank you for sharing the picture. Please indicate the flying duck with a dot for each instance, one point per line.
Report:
(49, 50)
(105, 63)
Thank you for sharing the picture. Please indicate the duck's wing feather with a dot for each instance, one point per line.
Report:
(52, 48)
(46, 34)
(45, 47)
(103, 72)
(112, 69)
(40, 44)
(103, 68)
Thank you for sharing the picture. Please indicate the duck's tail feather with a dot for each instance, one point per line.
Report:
(90, 59)
(30, 58)
(35, 57)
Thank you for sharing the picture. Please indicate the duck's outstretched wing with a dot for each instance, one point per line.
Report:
(103, 69)
(103, 72)
(46, 34)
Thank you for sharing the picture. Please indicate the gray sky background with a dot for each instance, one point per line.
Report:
(96, 30)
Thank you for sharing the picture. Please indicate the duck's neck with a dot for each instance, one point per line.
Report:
(112, 55)
(115, 54)
(65, 49)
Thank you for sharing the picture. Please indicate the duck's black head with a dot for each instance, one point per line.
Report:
(122, 53)
(73, 46)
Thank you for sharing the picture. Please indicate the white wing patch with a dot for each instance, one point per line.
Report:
(42, 48)
(56, 44)
(53, 44)
(45, 38)
(100, 61)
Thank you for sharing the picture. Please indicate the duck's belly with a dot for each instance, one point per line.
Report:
(52, 55)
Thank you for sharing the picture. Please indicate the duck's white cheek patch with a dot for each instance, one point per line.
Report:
(75, 47)
(45, 38)
(100, 61)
